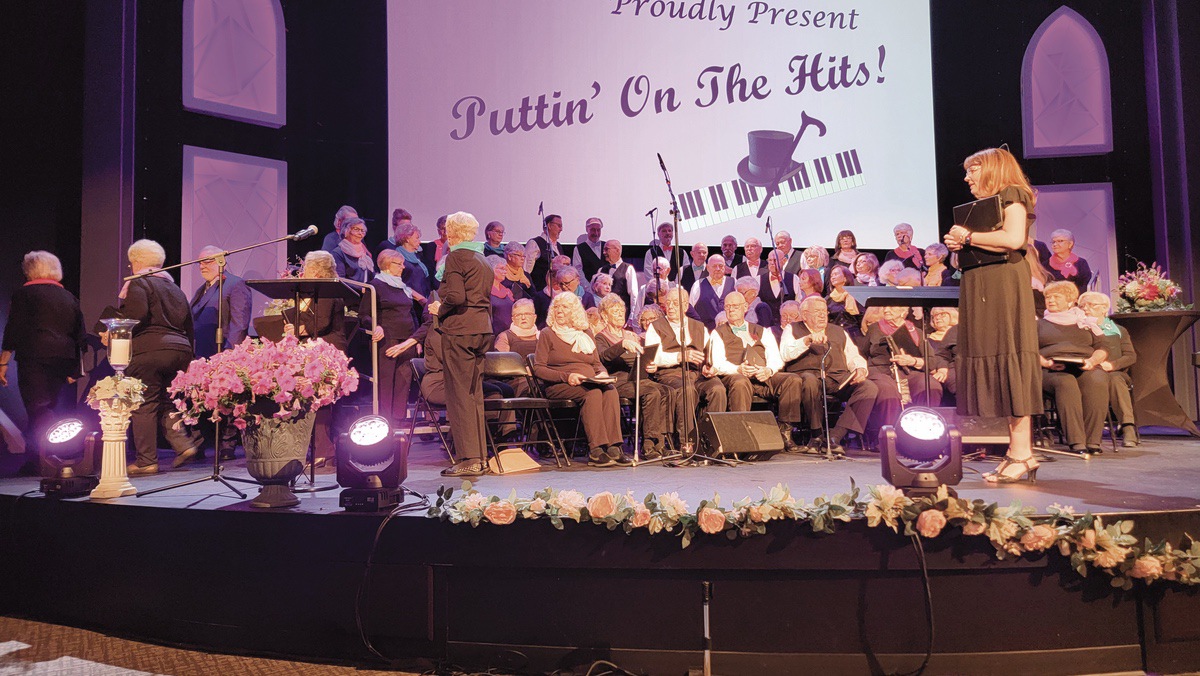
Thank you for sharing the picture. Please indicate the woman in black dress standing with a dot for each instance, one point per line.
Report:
(398, 335)
(999, 372)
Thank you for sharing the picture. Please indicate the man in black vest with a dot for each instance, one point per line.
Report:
(775, 289)
(589, 250)
(662, 248)
(805, 344)
(751, 265)
(667, 365)
(541, 250)
(697, 269)
(746, 358)
(624, 277)
(730, 253)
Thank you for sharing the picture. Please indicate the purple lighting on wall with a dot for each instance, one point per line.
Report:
(1066, 100)
(233, 60)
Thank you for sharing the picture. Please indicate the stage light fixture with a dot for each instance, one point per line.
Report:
(921, 452)
(68, 459)
(372, 463)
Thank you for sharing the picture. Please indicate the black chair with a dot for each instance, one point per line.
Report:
(556, 406)
(433, 412)
(534, 410)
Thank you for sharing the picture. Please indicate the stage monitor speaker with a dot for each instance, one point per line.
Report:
(977, 429)
(748, 432)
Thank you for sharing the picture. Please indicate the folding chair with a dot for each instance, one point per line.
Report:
(534, 410)
(432, 412)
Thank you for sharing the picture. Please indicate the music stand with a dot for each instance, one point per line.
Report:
(314, 290)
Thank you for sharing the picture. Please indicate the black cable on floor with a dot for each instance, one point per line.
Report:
(916, 540)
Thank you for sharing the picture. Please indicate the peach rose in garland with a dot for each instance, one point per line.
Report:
(973, 528)
(1147, 567)
(602, 505)
(1038, 538)
(711, 520)
(930, 523)
(500, 513)
(641, 516)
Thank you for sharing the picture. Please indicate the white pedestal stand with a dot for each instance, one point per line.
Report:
(114, 421)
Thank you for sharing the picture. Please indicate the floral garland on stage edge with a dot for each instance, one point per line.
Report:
(1012, 531)
(1146, 289)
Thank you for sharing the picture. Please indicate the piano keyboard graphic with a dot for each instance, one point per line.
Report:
(703, 207)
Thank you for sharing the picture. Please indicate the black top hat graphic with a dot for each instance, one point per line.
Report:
(770, 159)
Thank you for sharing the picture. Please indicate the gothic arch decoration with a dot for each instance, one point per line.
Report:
(234, 63)
(1066, 99)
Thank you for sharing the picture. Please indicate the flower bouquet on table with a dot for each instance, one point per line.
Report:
(257, 381)
(1146, 289)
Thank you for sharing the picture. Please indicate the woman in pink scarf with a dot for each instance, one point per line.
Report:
(352, 258)
(1064, 264)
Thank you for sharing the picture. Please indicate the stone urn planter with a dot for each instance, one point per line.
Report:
(275, 453)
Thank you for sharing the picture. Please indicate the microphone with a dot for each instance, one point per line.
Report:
(768, 228)
(660, 162)
(305, 233)
(540, 208)
(652, 212)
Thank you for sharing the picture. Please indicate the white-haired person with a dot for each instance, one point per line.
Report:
(324, 319)
(45, 334)
(602, 285)
(1062, 263)
(888, 271)
(567, 360)
(398, 335)
(708, 294)
(352, 258)
(647, 317)
(647, 296)
(521, 335)
(943, 336)
(162, 346)
(465, 320)
(1121, 356)
(937, 273)
(697, 268)
(757, 311)
(624, 280)
(816, 258)
(516, 277)
(905, 252)
(746, 358)
(752, 263)
(680, 338)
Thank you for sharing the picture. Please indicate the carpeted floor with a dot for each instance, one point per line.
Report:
(39, 649)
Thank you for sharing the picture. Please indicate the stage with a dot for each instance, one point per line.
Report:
(199, 567)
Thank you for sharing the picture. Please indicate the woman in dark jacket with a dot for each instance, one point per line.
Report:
(162, 346)
(352, 258)
(1121, 356)
(619, 348)
(45, 332)
(398, 335)
(465, 317)
(1079, 388)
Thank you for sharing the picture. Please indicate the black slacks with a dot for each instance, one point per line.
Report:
(599, 408)
(858, 399)
(782, 389)
(43, 383)
(462, 361)
(655, 406)
(1082, 403)
(157, 368)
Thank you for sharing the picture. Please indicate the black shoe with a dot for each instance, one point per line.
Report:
(617, 455)
(466, 468)
(227, 455)
(789, 444)
(185, 457)
(599, 457)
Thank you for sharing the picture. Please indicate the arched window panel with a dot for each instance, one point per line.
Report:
(231, 201)
(1086, 209)
(234, 62)
(1066, 96)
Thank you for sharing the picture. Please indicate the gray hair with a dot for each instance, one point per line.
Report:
(611, 300)
(662, 261)
(892, 267)
(716, 257)
(495, 261)
(406, 231)
(746, 283)
(902, 226)
(1063, 232)
(523, 302)
(602, 277)
(513, 248)
(42, 265)
(565, 274)
(1089, 296)
(908, 277)
(939, 250)
(210, 251)
(344, 212)
(146, 253)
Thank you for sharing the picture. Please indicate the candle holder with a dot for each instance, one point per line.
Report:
(120, 342)
(116, 397)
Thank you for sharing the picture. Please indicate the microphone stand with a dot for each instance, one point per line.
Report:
(688, 455)
(216, 469)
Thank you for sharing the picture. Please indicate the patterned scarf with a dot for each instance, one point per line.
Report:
(358, 251)
(1073, 317)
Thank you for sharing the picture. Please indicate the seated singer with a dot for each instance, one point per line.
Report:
(566, 359)
(895, 356)
(706, 392)
(813, 345)
(746, 358)
(619, 348)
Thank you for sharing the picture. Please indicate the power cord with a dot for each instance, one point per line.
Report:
(920, 549)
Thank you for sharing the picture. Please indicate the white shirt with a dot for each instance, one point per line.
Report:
(648, 263)
(694, 297)
(791, 348)
(663, 358)
(597, 247)
(724, 367)
(639, 297)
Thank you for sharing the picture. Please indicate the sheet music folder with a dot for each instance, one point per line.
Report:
(904, 296)
(981, 215)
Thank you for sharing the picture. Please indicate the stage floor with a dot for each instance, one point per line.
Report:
(1163, 474)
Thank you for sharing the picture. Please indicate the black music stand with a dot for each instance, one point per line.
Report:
(314, 290)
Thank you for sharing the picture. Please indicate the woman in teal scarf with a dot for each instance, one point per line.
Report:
(1121, 356)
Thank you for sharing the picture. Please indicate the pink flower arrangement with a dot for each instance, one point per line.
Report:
(1147, 288)
(931, 522)
(257, 380)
